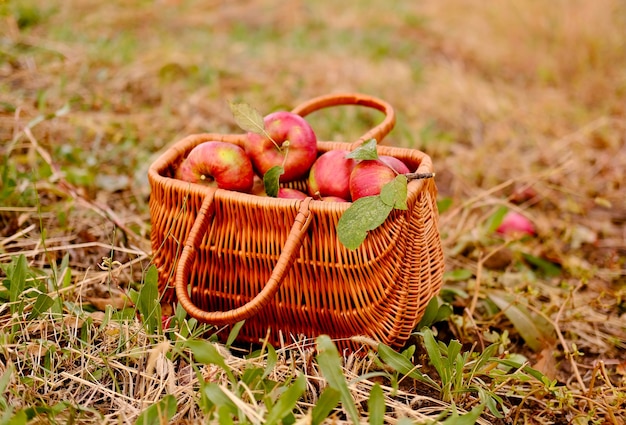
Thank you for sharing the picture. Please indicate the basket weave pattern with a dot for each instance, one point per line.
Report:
(278, 264)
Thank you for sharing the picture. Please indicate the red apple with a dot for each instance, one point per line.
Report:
(289, 193)
(368, 177)
(258, 187)
(514, 224)
(330, 174)
(395, 163)
(291, 135)
(218, 163)
(334, 199)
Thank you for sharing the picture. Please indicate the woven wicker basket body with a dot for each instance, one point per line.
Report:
(278, 264)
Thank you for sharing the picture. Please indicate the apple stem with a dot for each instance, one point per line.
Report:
(266, 134)
(285, 145)
(417, 176)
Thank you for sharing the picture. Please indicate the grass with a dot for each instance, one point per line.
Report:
(520, 104)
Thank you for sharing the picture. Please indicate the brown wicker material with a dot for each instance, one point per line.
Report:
(229, 256)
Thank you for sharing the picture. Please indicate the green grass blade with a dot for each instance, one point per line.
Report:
(401, 364)
(234, 332)
(524, 368)
(206, 353)
(219, 399)
(534, 330)
(376, 406)
(42, 304)
(454, 349)
(225, 416)
(159, 413)
(148, 301)
(495, 220)
(6, 378)
(17, 278)
(327, 401)
(469, 418)
(287, 401)
(434, 354)
(329, 362)
(272, 359)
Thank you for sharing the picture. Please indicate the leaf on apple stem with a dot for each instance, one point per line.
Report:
(367, 150)
(370, 212)
(363, 215)
(271, 180)
(394, 193)
(248, 118)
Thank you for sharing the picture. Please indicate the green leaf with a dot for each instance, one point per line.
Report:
(523, 367)
(271, 180)
(394, 193)
(469, 418)
(491, 401)
(247, 118)
(327, 401)
(19, 418)
(272, 359)
(435, 312)
(363, 215)
(533, 329)
(287, 401)
(42, 303)
(17, 277)
(215, 394)
(6, 377)
(206, 353)
(329, 362)
(234, 332)
(401, 364)
(159, 413)
(148, 302)
(225, 415)
(444, 204)
(548, 268)
(434, 354)
(495, 220)
(366, 150)
(457, 275)
(376, 405)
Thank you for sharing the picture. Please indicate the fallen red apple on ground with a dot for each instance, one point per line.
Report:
(330, 175)
(218, 163)
(515, 223)
(292, 144)
(368, 177)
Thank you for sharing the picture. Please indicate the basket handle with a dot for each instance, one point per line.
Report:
(378, 132)
(284, 263)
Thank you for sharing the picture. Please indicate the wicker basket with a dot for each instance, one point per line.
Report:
(277, 263)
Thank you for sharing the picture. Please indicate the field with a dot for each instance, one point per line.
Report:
(520, 103)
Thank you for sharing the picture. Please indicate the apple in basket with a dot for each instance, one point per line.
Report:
(330, 175)
(289, 193)
(368, 177)
(395, 163)
(334, 199)
(291, 144)
(221, 164)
